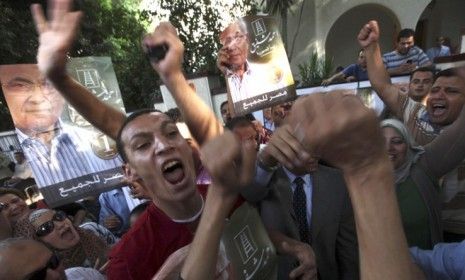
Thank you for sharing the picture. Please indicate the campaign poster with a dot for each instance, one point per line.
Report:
(245, 250)
(248, 247)
(69, 158)
(253, 59)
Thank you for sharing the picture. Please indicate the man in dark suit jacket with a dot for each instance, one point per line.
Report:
(332, 227)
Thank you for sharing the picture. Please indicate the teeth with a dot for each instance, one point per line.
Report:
(170, 164)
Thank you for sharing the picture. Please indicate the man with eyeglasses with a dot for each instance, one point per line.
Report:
(245, 79)
(56, 151)
(232, 60)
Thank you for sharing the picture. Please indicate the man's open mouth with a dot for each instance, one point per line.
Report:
(173, 171)
(438, 109)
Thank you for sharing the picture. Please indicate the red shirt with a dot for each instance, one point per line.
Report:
(145, 247)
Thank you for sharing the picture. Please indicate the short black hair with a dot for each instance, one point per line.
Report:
(451, 72)
(423, 69)
(175, 114)
(238, 121)
(405, 33)
(139, 209)
(223, 103)
(130, 118)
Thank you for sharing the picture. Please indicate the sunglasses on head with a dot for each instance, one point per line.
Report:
(47, 227)
(41, 274)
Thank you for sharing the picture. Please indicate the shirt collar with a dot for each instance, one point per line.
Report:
(59, 127)
(230, 73)
(426, 118)
(292, 176)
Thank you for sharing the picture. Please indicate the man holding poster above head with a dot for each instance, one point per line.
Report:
(255, 64)
(61, 155)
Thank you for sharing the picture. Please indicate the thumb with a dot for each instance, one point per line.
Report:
(287, 248)
(249, 156)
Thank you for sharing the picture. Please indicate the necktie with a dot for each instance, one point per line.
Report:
(300, 210)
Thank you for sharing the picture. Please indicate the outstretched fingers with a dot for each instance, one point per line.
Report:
(39, 18)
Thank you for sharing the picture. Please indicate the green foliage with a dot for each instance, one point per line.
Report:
(109, 28)
(115, 28)
(281, 7)
(315, 70)
(276, 6)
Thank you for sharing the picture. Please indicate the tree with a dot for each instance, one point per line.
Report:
(199, 23)
(18, 44)
(280, 7)
(109, 28)
(115, 28)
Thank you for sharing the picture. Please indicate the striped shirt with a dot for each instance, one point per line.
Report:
(415, 54)
(416, 119)
(70, 155)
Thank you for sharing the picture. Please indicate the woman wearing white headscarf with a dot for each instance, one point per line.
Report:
(417, 172)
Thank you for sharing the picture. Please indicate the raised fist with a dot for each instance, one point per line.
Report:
(368, 34)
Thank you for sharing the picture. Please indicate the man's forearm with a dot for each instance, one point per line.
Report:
(379, 77)
(200, 118)
(383, 248)
(394, 71)
(203, 253)
(101, 115)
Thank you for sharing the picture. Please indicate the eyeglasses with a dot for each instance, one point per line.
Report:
(26, 86)
(228, 40)
(47, 227)
(53, 263)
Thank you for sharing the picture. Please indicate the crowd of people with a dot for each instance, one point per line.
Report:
(341, 193)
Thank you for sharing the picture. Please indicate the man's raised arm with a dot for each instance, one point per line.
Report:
(200, 118)
(339, 129)
(379, 77)
(56, 37)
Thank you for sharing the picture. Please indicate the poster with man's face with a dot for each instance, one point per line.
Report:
(254, 62)
(69, 159)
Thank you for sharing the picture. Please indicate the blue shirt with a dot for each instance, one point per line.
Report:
(357, 71)
(114, 203)
(69, 156)
(415, 54)
(437, 51)
(445, 262)
(263, 177)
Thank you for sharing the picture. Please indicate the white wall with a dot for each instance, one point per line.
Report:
(320, 15)
(445, 18)
(347, 27)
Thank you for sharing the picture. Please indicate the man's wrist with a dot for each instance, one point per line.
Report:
(267, 165)
(172, 77)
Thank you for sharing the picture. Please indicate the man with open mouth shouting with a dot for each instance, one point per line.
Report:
(148, 141)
